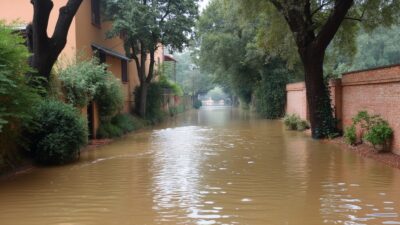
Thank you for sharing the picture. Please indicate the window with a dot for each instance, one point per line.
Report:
(124, 71)
(96, 13)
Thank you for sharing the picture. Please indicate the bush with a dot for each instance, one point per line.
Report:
(197, 104)
(109, 99)
(379, 134)
(58, 133)
(124, 122)
(119, 125)
(16, 95)
(350, 136)
(294, 122)
(291, 121)
(174, 87)
(109, 130)
(302, 125)
(270, 93)
(374, 129)
(154, 113)
(87, 81)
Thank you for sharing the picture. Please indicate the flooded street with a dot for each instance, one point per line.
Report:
(213, 166)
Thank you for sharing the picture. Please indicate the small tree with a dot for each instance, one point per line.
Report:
(46, 49)
(145, 26)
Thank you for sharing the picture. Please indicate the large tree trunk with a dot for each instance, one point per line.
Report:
(318, 99)
(143, 99)
(46, 49)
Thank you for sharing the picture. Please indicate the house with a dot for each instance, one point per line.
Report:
(87, 36)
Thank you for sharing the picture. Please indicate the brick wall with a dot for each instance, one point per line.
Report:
(296, 100)
(376, 90)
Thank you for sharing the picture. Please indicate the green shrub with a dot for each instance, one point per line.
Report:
(291, 121)
(174, 87)
(16, 95)
(109, 130)
(379, 134)
(294, 122)
(119, 125)
(302, 125)
(125, 122)
(57, 134)
(366, 121)
(374, 129)
(350, 136)
(197, 104)
(109, 99)
(270, 92)
(86, 81)
(154, 113)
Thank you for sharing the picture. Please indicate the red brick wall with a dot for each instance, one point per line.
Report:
(378, 92)
(296, 100)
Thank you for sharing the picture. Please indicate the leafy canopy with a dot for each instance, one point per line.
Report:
(275, 37)
(146, 23)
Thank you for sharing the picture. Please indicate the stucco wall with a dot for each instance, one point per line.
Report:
(21, 12)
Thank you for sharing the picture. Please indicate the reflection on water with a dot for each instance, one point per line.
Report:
(213, 166)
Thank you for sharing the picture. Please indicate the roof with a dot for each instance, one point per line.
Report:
(169, 58)
(110, 52)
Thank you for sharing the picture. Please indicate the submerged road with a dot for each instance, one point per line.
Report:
(217, 165)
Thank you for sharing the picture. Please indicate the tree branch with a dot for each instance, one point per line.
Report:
(360, 19)
(40, 21)
(166, 11)
(333, 23)
(352, 18)
(321, 7)
(63, 24)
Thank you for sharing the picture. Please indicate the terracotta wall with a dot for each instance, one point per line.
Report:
(296, 100)
(376, 91)
(20, 12)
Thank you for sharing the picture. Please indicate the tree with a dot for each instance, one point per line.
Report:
(377, 48)
(188, 75)
(230, 50)
(313, 25)
(223, 50)
(46, 49)
(146, 25)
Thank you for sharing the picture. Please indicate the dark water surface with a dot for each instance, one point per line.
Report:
(213, 166)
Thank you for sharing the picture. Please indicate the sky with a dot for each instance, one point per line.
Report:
(203, 4)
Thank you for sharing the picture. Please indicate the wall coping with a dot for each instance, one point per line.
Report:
(376, 76)
(298, 86)
(371, 69)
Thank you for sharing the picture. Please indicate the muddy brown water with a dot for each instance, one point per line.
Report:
(214, 166)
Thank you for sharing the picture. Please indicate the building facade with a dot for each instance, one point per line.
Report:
(86, 37)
